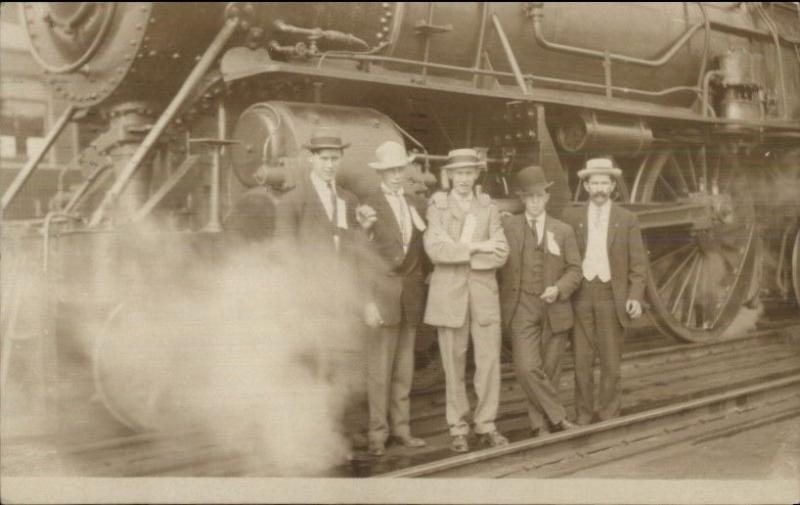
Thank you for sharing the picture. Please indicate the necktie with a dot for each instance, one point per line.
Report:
(403, 220)
(334, 206)
(532, 224)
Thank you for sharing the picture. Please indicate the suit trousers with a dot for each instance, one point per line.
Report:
(598, 334)
(390, 369)
(537, 360)
(453, 344)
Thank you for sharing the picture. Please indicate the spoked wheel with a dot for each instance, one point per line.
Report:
(134, 374)
(698, 223)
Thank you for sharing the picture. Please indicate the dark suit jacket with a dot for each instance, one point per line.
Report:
(626, 253)
(396, 279)
(302, 223)
(562, 270)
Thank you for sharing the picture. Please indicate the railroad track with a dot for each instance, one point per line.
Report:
(664, 387)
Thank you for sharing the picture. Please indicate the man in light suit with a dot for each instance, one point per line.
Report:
(542, 272)
(396, 299)
(466, 244)
(610, 296)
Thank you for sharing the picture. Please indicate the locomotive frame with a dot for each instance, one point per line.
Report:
(689, 150)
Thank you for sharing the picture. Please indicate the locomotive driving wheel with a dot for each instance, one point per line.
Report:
(698, 224)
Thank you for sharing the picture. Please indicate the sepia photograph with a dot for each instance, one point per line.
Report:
(400, 252)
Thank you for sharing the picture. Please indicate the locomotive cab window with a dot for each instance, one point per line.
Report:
(22, 128)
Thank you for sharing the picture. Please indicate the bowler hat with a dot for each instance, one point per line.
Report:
(325, 138)
(462, 158)
(390, 154)
(531, 180)
(599, 166)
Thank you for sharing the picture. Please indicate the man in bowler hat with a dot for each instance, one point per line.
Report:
(542, 272)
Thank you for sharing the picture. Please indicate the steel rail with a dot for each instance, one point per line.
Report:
(571, 436)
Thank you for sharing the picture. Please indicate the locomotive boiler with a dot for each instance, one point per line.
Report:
(202, 106)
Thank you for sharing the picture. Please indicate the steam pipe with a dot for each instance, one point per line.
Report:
(538, 14)
(33, 163)
(706, 83)
(183, 94)
(319, 33)
(512, 60)
(779, 58)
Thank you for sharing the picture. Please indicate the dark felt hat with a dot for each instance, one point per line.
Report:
(531, 180)
(325, 138)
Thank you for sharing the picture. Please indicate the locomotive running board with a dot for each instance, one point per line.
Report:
(240, 63)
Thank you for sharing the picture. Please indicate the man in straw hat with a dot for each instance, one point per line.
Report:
(611, 292)
(466, 244)
(542, 272)
(396, 299)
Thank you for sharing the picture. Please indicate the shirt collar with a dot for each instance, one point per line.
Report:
(539, 220)
(604, 209)
(388, 191)
(320, 184)
(463, 199)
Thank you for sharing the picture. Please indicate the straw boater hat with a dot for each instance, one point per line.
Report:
(325, 138)
(463, 158)
(390, 154)
(531, 180)
(599, 166)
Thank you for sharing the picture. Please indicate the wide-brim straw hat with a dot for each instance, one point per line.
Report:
(326, 138)
(390, 154)
(531, 180)
(463, 158)
(599, 166)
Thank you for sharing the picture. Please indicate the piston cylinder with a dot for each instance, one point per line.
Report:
(270, 138)
(589, 132)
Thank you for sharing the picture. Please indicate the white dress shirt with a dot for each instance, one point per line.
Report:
(465, 202)
(324, 191)
(539, 222)
(595, 263)
(401, 212)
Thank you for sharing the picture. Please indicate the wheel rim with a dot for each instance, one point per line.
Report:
(131, 376)
(699, 275)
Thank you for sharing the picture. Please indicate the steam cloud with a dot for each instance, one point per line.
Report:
(255, 348)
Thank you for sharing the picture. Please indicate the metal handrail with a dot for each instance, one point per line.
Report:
(538, 14)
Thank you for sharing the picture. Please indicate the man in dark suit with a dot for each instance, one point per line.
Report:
(542, 272)
(318, 216)
(396, 299)
(610, 296)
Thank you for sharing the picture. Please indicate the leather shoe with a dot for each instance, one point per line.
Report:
(459, 444)
(563, 425)
(409, 441)
(493, 439)
(376, 449)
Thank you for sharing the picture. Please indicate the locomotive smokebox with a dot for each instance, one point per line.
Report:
(588, 132)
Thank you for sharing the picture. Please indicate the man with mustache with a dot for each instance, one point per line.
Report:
(611, 291)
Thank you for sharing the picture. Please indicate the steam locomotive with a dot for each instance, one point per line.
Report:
(200, 106)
